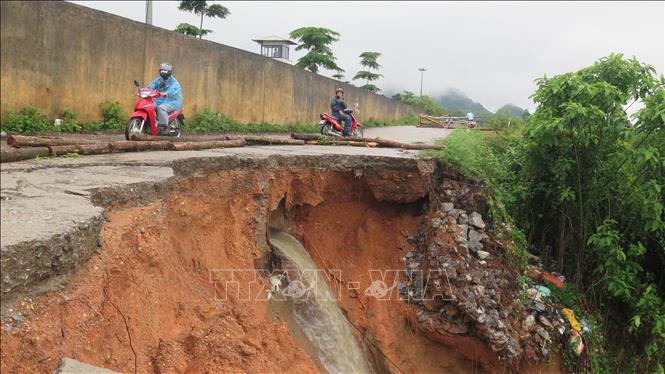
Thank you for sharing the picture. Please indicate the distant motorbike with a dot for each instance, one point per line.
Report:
(144, 119)
(331, 125)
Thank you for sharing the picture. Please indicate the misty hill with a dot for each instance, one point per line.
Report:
(511, 110)
(456, 101)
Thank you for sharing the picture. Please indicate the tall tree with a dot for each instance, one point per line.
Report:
(317, 41)
(369, 61)
(202, 8)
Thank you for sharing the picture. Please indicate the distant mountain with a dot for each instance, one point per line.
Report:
(512, 110)
(456, 101)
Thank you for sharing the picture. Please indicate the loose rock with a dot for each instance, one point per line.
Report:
(476, 219)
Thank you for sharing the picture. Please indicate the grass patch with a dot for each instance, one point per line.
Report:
(208, 122)
(405, 121)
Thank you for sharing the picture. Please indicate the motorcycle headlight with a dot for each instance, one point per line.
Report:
(144, 94)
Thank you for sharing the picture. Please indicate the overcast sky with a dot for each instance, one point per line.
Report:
(490, 50)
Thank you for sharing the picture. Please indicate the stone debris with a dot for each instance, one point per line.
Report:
(476, 220)
(71, 366)
(483, 254)
(529, 322)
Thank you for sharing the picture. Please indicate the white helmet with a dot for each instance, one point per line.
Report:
(165, 70)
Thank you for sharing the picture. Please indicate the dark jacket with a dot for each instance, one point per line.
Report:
(337, 104)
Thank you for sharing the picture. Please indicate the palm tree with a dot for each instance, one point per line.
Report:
(202, 8)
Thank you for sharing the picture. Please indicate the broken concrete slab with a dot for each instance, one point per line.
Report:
(71, 366)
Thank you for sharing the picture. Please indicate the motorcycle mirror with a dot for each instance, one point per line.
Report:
(136, 83)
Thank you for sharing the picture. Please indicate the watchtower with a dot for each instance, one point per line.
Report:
(275, 47)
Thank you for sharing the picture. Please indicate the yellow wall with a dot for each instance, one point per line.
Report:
(56, 54)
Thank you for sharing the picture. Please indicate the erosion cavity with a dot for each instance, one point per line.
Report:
(212, 275)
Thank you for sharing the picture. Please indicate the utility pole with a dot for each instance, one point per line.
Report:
(422, 72)
(148, 12)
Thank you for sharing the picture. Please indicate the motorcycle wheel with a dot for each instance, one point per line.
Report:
(177, 126)
(326, 129)
(358, 132)
(133, 127)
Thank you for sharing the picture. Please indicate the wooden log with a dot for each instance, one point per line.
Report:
(183, 138)
(94, 149)
(341, 142)
(17, 154)
(193, 146)
(83, 149)
(38, 141)
(58, 150)
(132, 146)
(379, 142)
(268, 140)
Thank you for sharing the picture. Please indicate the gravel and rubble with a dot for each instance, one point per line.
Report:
(465, 286)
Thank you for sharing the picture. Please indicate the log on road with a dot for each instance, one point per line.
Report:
(132, 146)
(17, 154)
(82, 149)
(270, 140)
(379, 142)
(42, 141)
(193, 146)
(192, 138)
(341, 142)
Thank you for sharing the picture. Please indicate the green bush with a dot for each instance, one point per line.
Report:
(69, 121)
(27, 120)
(113, 117)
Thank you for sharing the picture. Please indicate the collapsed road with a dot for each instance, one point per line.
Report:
(163, 262)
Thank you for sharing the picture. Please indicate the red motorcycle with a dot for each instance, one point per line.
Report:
(331, 125)
(144, 115)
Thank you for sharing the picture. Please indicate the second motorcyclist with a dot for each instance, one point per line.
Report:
(337, 106)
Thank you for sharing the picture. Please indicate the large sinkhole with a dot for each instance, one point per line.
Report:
(296, 265)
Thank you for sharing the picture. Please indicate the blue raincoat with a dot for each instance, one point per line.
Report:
(172, 88)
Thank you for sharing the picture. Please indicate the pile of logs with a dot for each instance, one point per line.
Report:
(28, 147)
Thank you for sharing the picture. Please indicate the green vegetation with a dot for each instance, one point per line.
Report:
(369, 61)
(27, 120)
(339, 76)
(69, 121)
(317, 41)
(209, 122)
(585, 184)
(424, 102)
(113, 117)
(201, 8)
(31, 120)
(408, 120)
(191, 30)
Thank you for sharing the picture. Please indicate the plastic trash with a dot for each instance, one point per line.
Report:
(586, 328)
(570, 316)
(576, 343)
(548, 277)
(544, 291)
